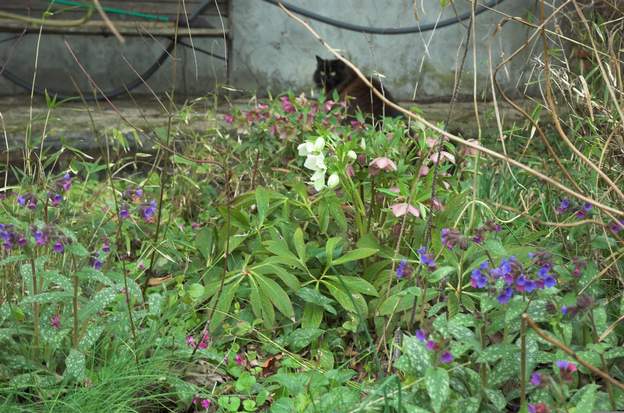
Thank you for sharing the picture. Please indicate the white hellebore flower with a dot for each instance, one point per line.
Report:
(352, 155)
(315, 162)
(363, 144)
(305, 148)
(318, 180)
(333, 180)
(319, 143)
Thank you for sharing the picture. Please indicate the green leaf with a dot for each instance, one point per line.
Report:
(354, 284)
(497, 398)
(586, 404)
(229, 403)
(495, 247)
(75, 365)
(299, 244)
(495, 352)
(419, 357)
(77, 249)
(437, 383)
(196, 291)
(303, 337)
(280, 248)
(313, 296)
(224, 304)
(90, 337)
(312, 316)
(58, 279)
(269, 267)
(330, 246)
(276, 294)
(262, 203)
(245, 383)
(49, 297)
(204, 242)
(98, 302)
(355, 255)
(440, 273)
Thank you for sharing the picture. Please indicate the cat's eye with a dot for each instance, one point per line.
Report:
(332, 74)
(322, 73)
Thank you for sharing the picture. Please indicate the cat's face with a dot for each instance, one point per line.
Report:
(329, 73)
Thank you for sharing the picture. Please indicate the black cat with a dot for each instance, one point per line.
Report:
(334, 75)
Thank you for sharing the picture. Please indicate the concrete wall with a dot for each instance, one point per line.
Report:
(273, 53)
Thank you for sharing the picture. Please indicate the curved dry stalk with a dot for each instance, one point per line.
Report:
(571, 352)
(448, 135)
(552, 108)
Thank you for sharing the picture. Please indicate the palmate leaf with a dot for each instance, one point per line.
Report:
(313, 296)
(354, 284)
(224, 304)
(275, 294)
(355, 255)
(262, 204)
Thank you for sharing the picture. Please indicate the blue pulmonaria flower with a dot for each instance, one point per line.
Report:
(478, 279)
(426, 258)
(446, 357)
(403, 269)
(563, 206)
(505, 296)
(21, 200)
(549, 282)
(106, 245)
(564, 310)
(536, 379)
(96, 263)
(148, 211)
(530, 286)
(421, 334)
(56, 199)
(543, 272)
(66, 182)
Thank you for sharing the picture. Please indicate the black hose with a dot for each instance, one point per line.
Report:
(384, 30)
(139, 80)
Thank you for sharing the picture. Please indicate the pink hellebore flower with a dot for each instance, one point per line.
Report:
(443, 155)
(329, 105)
(287, 104)
(381, 164)
(398, 210)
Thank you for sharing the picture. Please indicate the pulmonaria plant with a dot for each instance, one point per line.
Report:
(510, 277)
(581, 211)
(452, 238)
(444, 356)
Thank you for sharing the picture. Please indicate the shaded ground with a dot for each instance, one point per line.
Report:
(73, 124)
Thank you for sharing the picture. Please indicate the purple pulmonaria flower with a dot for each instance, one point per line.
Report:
(96, 263)
(124, 213)
(549, 282)
(41, 238)
(403, 269)
(530, 286)
(536, 379)
(538, 408)
(566, 369)
(446, 357)
(205, 403)
(21, 240)
(55, 321)
(21, 200)
(478, 279)
(563, 206)
(452, 237)
(58, 247)
(106, 245)
(616, 227)
(27, 200)
(228, 118)
(55, 199)
(432, 345)
(426, 258)
(543, 272)
(565, 309)
(65, 183)
(287, 104)
(148, 211)
(505, 296)
(421, 335)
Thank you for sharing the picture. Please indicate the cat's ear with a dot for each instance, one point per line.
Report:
(319, 60)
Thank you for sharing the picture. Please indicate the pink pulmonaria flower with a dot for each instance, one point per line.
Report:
(239, 359)
(424, 170)
(538, 408)
(356, 125)
(381, 164)
(190, 341)
(65, 183)
(432, 345)
(228, 118)
(566, 369)
(206, 403)
(55, 321)
(398, 210)
(287, 104)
